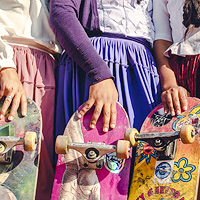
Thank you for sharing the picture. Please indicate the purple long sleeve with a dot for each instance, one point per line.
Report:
(64, 21)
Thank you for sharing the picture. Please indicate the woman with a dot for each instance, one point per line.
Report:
(107, 58)
(27, 64)
(176, 47)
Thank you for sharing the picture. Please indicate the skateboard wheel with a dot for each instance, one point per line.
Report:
(123, 149)
(2, 147)
(30, 141)
(61, 144)
(187, 134)
(130, 136)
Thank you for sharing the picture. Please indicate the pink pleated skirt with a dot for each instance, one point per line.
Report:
(36, 70)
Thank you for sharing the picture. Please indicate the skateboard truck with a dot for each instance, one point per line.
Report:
(163, 142)
(8, 142)
(92, 151)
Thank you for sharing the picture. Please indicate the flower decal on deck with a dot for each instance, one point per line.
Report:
(182, 171)
(145, 151)
(190, 117)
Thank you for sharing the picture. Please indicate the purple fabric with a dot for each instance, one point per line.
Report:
(70, 20)
(136, 79)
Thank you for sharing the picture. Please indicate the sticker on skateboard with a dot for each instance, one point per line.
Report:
(167, 158)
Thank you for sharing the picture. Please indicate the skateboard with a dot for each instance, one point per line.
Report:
(92, 164)
(19, 149)
(167, 156)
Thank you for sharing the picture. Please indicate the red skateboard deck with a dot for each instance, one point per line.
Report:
(167, 179)
(76, 182)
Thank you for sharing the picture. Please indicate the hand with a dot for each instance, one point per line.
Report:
(12, 87)
(174, 99)
(103, 96)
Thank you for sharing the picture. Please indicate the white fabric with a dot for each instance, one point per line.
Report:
(127, 17)
(168, 18)
(24, 19)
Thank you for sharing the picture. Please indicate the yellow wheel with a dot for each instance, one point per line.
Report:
(61, 144)
(187, 134)
(30, 141)
(2, 147)
(123, 149)
(130, 136)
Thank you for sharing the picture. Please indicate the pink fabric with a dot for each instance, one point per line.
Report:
(36, 71)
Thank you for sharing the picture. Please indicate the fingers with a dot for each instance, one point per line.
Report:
(14, 102)
(86, 107)
(14, 93)
(183, 100)
(174, 100)
(23, 105)
(109, 114)
(103, 95)
(96, 115)
(113, 116)
(106, 118)
(7, 102)
(15, 105)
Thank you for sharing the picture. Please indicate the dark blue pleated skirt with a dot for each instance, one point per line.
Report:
(136, 78)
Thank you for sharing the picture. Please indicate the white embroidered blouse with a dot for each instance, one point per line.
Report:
(127, 17)
(168, 18)
(25, 20)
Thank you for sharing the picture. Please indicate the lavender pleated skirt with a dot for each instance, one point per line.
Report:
(136, 79)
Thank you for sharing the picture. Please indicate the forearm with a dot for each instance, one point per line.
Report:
(167, 76)
(73, 38)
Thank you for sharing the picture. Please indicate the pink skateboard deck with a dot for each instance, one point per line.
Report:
(74, 181)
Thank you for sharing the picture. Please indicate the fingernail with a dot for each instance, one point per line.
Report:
(105, 129)
(79, 115)
(1, 116)
(10, 118)
(172, 113)
(91, 126)
(112, 125)
(24, 113)
(184, 107)
(178, 112)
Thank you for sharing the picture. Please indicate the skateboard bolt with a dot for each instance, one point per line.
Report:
(193, 133)
(85, 165)
(157, 142)
(99, 166)
(92, 154)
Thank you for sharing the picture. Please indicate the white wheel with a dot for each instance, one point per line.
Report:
(187, 134)
(30, 141)
(123, 149)
(130, 136)
(61, 144)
